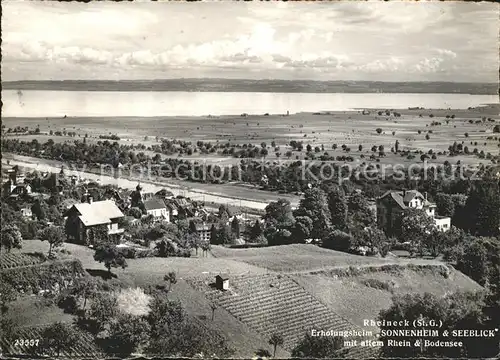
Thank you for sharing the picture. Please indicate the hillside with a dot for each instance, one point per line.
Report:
(303, 258)
(274, 303)
(286, 289)
(361, 293)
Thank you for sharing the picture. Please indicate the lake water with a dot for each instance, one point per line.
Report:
(35, 103)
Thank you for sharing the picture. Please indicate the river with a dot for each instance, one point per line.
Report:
(41, 103)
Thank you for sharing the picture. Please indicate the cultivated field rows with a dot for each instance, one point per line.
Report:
(273, 303)
(83, 347)
(13, 260)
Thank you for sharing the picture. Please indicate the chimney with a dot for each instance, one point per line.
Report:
(90, 199)
(425, 195)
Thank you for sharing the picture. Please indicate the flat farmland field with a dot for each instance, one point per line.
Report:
(350, 128)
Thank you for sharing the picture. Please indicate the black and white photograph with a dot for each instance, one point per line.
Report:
(250, 180)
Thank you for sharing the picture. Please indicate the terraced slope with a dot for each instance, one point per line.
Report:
(13, 260)
(83, 347)
(272, 303)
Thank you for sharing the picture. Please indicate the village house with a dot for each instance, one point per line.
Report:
(83, 217)
(391, 205)
(157, 209)
(172, 209)
(202, 228)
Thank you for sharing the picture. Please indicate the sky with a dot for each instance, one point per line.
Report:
(377, 41)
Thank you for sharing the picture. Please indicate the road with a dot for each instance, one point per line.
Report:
(226, 194)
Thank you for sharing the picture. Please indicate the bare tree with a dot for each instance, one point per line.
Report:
(213, 306)
(276, 340)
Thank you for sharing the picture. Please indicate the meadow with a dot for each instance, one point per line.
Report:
(350, 128)
(287, 289)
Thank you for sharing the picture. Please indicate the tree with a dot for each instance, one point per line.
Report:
(279, 213)
(315, 206)
(7, 295)
(174, 333)
(235, 227)
(483, 208)
(445, 204)
(213, 234)
(224, 235)
(110, 256)
(171, 278)
(255, 231)
(11, 237)
(275, 340)
(454, 311)
(192, 240)
(126, 334)
(205, 247)
(319, 347)
(359, 211)
(338, 240)
(38, 210)
(59, 336)
(54, 235)
(416, 225)
(379, 130)
(496, 129)
(135, 212)
(337, 204)
(479, 259)
(302, 228)
(224, 213)
(85, 287)
(103, 308)
(213, 307)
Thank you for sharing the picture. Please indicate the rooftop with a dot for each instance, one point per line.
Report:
(154, 204)
(97, 212)
(403, 198)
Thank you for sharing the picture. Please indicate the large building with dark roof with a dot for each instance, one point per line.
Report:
(392, 204)
(83, 217)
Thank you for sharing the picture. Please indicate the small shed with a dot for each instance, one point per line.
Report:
(222, 282)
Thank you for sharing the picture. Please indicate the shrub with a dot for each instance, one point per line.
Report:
(379, 284)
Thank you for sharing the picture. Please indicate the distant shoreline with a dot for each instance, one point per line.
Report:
(237, 85)
(491, 109)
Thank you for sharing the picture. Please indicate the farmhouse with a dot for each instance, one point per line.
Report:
(83, 217)
(157, 208)
(390, 207)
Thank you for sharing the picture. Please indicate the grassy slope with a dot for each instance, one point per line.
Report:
(310, 266)
(150, 271)
(303, 258)
(352, 299)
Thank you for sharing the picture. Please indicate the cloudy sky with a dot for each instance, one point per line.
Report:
(392, 41)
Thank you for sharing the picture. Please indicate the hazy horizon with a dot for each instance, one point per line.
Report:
(247, 79)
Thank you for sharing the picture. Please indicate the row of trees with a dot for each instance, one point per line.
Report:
(286, 177)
